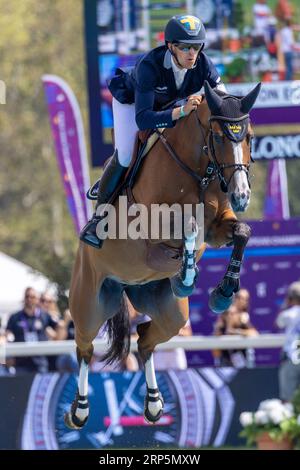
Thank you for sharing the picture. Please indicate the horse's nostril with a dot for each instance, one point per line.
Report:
(233, 199)
(243, 195)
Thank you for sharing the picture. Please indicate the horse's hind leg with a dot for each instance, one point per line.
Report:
(222, 296)
(169, 314)
(88, 317)
(77, 417)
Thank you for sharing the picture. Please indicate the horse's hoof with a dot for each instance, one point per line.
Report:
(72, 421)
(152, 419)
(179, 289)
(218, 303)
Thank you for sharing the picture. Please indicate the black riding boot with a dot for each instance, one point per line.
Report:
(110, 179)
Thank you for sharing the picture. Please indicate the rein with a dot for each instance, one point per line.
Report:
(214, 168)
(202, 182)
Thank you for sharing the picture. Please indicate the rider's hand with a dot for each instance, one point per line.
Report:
(193, 102)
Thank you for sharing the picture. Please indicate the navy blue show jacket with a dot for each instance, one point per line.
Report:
(150, 84)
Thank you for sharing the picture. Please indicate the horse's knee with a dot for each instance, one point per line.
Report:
(84, 341)
(241, 233)
(85, 354)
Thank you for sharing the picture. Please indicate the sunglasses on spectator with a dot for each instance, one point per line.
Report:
(186, 47)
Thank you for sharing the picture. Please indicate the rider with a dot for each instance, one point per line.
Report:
(175, 71)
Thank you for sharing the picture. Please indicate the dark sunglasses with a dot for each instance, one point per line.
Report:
(186, 47)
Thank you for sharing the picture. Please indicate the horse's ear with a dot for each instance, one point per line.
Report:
(214, 101)
(248, 101)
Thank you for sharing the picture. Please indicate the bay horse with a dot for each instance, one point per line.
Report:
(205, 157)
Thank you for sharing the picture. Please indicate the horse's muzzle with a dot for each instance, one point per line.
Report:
(240, 201)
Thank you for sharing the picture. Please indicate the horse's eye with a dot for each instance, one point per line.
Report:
(249, 138)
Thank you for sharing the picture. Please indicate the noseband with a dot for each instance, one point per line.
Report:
(235, 130)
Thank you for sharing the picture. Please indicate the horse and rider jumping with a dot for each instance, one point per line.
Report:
(202, 154)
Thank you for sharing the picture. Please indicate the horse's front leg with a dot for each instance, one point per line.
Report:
(184, 282)
(221, 297)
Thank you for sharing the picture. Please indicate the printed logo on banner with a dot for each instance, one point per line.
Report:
(283, 265)
(260, 267)
(279, 146)
(216, 268)
(261, 289)
(295, 87)
(262, 311)
(117, 419)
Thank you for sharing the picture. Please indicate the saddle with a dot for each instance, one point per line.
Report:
(144, 141)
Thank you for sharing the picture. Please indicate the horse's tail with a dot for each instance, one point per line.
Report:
(118, 329)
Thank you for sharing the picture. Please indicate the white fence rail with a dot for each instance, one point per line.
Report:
(191, 343)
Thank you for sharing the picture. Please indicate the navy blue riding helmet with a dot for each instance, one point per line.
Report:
(151, 83)
(187, 29)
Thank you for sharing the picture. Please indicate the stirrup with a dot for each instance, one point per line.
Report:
(88, 234)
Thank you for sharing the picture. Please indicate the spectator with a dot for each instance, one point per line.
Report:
(261, 17)
(291, 309)
(233, 322)
(289, 370)
(31, 324)
(285, 41)
(242, 300)
(284, 10)
(67, 362)
(48, 303)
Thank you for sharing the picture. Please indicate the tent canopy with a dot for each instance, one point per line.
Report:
(14, 278)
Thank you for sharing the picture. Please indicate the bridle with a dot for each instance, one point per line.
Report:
(214, 168)
(224, 123)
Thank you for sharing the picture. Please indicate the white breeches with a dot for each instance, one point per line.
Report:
(125, 130)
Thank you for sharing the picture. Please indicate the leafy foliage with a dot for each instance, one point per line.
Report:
(278, 419)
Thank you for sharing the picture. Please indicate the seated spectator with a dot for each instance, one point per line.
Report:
(31, 324)
(233, 322)
(242, 300)
(289, 370)
(67, 362)
(49, 305)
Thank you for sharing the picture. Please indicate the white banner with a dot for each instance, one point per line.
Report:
(272, 95)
